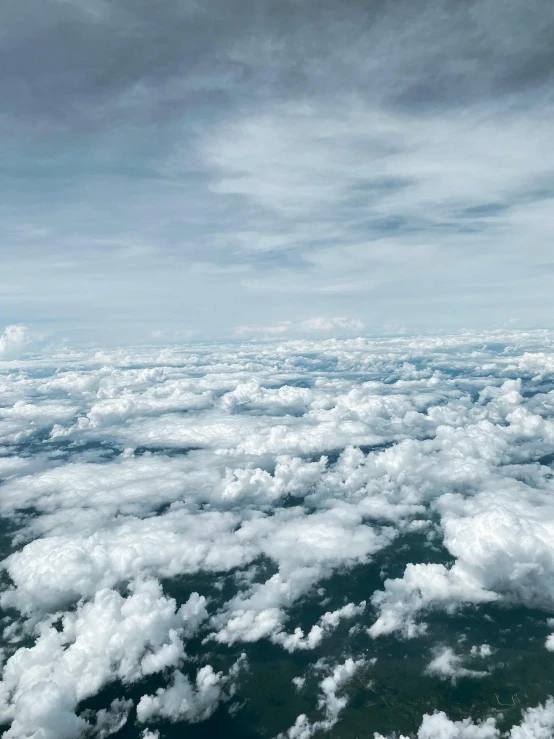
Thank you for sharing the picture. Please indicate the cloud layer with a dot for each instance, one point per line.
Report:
(200, 168)
(262, 473)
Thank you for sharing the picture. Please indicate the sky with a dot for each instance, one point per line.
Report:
(231, 168)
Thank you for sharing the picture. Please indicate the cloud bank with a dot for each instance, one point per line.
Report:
(168, 509)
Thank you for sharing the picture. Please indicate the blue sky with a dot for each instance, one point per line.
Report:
(214, 169)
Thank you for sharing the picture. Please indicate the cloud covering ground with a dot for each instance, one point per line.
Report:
(363, 517)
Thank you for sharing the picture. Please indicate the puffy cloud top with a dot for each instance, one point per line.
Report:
(166, 509)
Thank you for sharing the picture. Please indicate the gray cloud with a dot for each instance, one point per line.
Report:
(97, 64)
(187, 165)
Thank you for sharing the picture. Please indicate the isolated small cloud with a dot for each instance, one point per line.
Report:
(449, 666)
(330, 702)
(183, 700)
(13, 340)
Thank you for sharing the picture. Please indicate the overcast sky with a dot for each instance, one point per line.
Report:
(229, 167)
